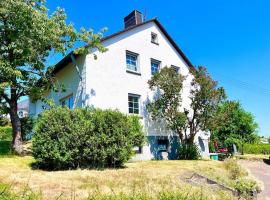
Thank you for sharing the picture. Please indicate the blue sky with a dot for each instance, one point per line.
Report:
(231, 38)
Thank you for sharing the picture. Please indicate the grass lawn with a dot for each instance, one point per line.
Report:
(137, 180)
(149, 177)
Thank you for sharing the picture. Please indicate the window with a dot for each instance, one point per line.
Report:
(132, 61)
(138, 150)
(177, 69)
(155, 64)
(163, 144)
(133, 103)
(154, 38)
(67, 101)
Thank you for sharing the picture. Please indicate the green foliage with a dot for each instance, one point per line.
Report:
(233, 125)
(4, 121)
(234, 169)
(66, 138)
(27, 125)
(245, 187)
(189, 152)
(205, 98)
(257, 149)
(167, 85)
(5, 133)
(29, 33)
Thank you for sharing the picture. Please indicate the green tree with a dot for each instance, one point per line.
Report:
(168, 85)
(28, 34)
(205, 97)
(234, 125)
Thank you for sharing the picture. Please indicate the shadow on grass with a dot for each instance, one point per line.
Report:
(37, 166)
(5, 148)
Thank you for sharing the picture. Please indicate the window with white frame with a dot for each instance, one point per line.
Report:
(177, 69)
(133, 103)
(155, 65)
(154, 38)
(132, 61)
(67, 101)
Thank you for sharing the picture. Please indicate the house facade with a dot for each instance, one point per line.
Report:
(117, 79)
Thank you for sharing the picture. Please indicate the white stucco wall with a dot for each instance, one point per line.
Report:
(69, 77)
(106, 83)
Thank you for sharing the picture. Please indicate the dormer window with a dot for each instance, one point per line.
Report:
(154, 38)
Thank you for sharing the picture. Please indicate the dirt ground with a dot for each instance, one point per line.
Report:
(261, 171)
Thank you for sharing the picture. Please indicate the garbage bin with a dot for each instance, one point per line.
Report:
(214, 156)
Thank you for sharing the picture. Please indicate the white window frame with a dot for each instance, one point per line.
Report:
(139, 103)
(136, 55)
(155, 61)
(67, 98)
(177, 69)
(154, 41)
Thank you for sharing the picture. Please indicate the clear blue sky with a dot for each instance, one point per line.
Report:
(230, 37)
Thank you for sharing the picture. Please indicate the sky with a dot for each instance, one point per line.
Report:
(229, 37)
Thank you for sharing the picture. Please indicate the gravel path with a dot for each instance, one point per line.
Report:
(260, 170)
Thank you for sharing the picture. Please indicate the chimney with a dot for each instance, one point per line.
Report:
(134, 18)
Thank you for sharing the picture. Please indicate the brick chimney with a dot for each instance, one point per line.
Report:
(134, 18)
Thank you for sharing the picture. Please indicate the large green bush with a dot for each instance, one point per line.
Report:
(257, 148)
(65, 139)
(189, 152)
(27, 125)
(5, 133)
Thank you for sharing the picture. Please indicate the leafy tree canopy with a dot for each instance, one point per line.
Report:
(234, 125)
(28, 34)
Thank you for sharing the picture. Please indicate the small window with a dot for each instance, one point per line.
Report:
(68, 102)
(177, 69)
(138, 150)
(132, 61)
(154, 38)
(155, 65)
(133, 103)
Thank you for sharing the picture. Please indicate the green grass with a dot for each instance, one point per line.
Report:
(138, 180)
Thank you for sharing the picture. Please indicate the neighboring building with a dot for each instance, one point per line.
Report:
(118, 80)
(23, 108)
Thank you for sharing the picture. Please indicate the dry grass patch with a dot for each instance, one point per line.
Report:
(149, 177)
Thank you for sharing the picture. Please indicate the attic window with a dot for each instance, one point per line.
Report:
(154, 38)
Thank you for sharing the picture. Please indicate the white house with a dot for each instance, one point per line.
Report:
(118, 80)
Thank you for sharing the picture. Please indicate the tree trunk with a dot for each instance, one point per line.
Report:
(16, 125)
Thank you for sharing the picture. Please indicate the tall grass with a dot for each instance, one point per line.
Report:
(6, 193)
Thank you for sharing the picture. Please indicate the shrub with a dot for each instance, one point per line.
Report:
(5, 133)
(234, 169)
(4, 121)
(189, 152)
(66, 138)
(27, 125)
(245, 187)
(257, 148)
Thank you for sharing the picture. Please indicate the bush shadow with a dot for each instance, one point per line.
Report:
(267, 161)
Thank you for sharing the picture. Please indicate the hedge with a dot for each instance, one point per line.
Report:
(5, 133)
(68, 139)
(257, 148)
